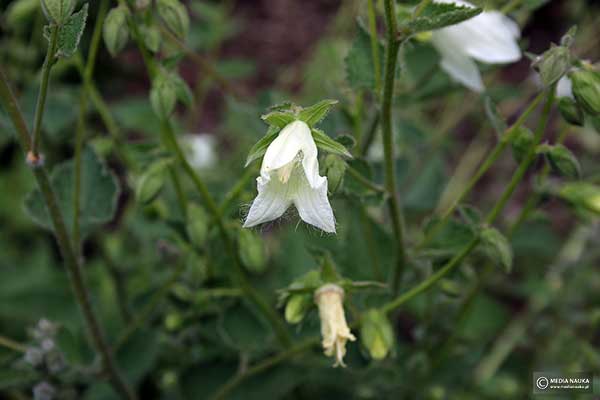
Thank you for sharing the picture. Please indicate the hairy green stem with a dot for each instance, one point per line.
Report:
(41, 100)
(489, 219)
(391, 58)
(483, 168)
(71, 260)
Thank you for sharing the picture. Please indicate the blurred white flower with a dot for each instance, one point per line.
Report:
(564, 88)
(200, 150)
(334, 329)
(490, 37)
(289, 174)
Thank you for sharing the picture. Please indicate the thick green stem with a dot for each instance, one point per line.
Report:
(489, 219)
(483, 168)
(41, 100)
(391, 57)
(70, 258)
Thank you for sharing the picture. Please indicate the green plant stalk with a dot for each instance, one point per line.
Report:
(466, 305)
(41, 100)
(392, 48)
(72, 264)
(374, 44)
(12, 345)
(80, 130)
(482, 170)
(254, 296)
(236, 190)
(489, 219)
(364, 181)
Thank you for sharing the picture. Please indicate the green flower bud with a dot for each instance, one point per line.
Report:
(521, 143)
(197, 224)
(586, 89)
(376, 334)
(57, 11)
(152, 37)
(163, 96)
(252, 251)
(175, 16)
(296, 307)
(334, 168)
(151, 182)
(570, 111)
(553, 64)
(115, 30)
(562, 160)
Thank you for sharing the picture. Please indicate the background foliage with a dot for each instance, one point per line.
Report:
(160, 274)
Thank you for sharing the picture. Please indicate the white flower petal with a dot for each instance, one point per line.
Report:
(286, 146)
(564, 87)
(457, 64)
(490, 37)
(313, 205)
(272, 201)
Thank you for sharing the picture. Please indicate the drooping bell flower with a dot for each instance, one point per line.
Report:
(289, 174)
(489, 37)
(334, 329)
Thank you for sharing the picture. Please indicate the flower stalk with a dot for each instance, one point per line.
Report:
(71, 260)
(391, 57)
(40, 107)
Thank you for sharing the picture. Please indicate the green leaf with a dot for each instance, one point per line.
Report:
(182, 90)
(99, 193)
(278, 119)
(260, 148)
(561, 160)
(152, 181)
(440, 15)
(317, 112)
(360, 68)
(497, 247)
(70, 33)
(329, 145)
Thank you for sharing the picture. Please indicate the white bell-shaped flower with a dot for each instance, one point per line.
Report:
(489, 37)
(334, 329)
(564, 88)
(290, 175)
